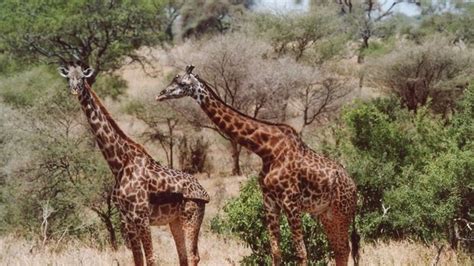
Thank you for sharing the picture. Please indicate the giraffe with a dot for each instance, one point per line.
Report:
(145, 193)
(294, 179)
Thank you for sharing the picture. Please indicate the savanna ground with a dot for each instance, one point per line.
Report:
(214, 249)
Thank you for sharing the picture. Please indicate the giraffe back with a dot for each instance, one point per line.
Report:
(163, 179)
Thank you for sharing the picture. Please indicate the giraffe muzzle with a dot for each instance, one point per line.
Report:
(160, 97)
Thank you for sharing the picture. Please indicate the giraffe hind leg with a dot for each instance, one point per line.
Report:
(193, 215)
(177, 231)
(336, 227)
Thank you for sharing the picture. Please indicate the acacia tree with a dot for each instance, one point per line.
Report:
(202, 16)
(96, 33)
(296, 33)
(162, 123)
(365, 16)
(435, 70)
(317, 99)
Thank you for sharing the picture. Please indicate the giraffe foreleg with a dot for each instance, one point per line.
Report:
(192, 219)
(123, 219)
(292, 207)
(145, 236)
(272, 220)
(123, 230)
(142, 224)
(133, 239)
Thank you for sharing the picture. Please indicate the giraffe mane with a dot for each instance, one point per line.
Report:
(283, 127)
(112, 122)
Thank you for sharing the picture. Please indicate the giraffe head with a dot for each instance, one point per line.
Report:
(184, 85)
(76, 77)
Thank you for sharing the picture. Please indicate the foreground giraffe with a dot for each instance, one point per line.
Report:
(145, 192)
(293, 178)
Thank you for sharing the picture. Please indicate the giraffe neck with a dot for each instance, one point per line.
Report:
(116, 147)
(255, 135)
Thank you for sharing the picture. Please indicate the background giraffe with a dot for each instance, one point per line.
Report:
(145, 192)
(293, 178)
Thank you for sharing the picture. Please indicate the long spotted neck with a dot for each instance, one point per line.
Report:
(252, 134)
(116, 147)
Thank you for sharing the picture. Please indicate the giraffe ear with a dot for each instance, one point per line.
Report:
(88, 72)
(189, 69)
(63, 71)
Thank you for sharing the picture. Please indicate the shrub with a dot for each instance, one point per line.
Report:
(462, 124)
(456, 25)
(110, 86)
(25, 88)
(413, 177)
(9, 64)
(435, 70)
(244, 217)
(193, 155)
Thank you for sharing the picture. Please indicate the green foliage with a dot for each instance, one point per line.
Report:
(244, 218)
(97, 33)
(9, 65)
(25, 89)
(457, 25)
(413, 177)
(294, 34)
(463, 124)
(379, 47)
(110, 85)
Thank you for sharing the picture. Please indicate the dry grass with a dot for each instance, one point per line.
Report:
(214, 250)
(15, 251)
(408, 253)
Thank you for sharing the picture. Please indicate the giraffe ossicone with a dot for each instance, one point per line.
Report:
(294, 179)
(145, 193)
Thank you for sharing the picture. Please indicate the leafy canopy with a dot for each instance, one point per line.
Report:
(96, 33)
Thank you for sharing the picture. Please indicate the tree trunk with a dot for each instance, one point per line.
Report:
(171, 151)
(111, 229)
(171, 144)
(236, 148)
(106, 218)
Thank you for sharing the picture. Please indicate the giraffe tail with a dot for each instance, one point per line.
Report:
(355, 243)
